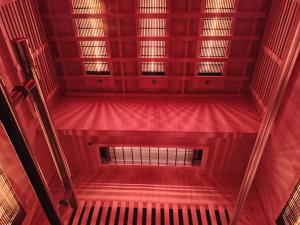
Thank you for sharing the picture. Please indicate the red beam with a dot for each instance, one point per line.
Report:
(133, 59)
(253, 15)
(165, 38)
(169, 78)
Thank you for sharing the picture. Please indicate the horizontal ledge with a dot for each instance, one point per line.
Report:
(168, 78)
(200, 59)
(157, 95)
(59, 16)
(167, 38)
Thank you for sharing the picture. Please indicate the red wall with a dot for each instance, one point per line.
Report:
(280, 167)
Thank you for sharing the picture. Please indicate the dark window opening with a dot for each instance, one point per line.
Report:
(107, 216)
(218, 217)
(144, 216)
(197, 156)
(208, 217)
(199, 219)
(210, 74)
(81, 215)
(162, 217)
(104, 155)
(117, 216)
(88, 222)
(171, 216)
(126, 216)
(180, 217)
(153, 217)
(153, 73)
(135, 212)
(88, 72)
(227, 216)
(99, 215)
(190, 217)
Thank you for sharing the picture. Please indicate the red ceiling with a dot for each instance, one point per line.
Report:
(182, 39)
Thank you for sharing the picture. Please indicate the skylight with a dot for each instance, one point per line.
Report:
(87, 6)
(152, 27)
(153, 68)
(213, 48)
(219, 6)
(96, 68)
(90, 27)
(153, 49)
(217, 27)
(94, 49)
(211, 68)
(153, 6)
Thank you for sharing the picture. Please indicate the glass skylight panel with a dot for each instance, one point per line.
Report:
(87, 6)
(213, 48)
(219, 6)
(152, 27)
(153, 68)
(151, 156)
(90, 27)
(211, 68)
(216, 27)
(94, 49)
(153, 6)
(96, 68)
(153, 49)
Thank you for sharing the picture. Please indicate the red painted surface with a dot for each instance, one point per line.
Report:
(208, 115)
(226, 128)
(280, 167)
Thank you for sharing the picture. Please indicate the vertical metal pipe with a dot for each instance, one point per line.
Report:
(266, 125)
(25, 59)
(21, 147)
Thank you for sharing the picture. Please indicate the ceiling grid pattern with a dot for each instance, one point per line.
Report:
(184, 47)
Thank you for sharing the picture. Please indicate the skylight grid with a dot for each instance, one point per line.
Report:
(217, 27)
(219, 6)
(153, 6)
(90, 27)
(87, 6)
(213, 48)
(211, 68)
(152, 156)
(152, 27)
(153, 68)
(94, 49)
(153, 49)
(96, 68)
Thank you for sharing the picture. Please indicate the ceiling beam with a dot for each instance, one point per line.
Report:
(169, 78)
(166, 38)
(175, 59)
(69, 16)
